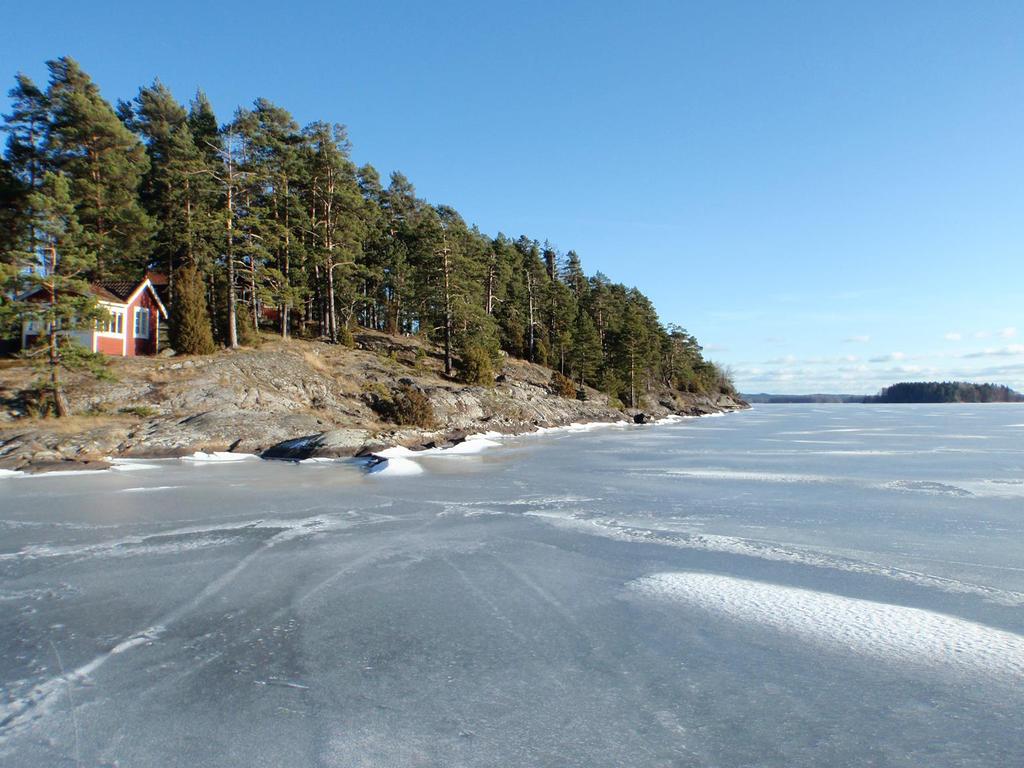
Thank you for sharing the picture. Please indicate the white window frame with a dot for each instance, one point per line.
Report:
(141, 312)
(113, 325)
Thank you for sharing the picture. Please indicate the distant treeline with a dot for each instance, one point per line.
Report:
(260, 223)
(818, 398)
(945, 392)
(907, 392)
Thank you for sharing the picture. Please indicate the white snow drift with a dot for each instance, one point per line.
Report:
(895, 633)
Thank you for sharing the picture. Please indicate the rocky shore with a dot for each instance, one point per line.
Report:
(291, 400)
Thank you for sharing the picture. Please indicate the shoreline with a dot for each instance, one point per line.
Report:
(298, 400)
(388, 459)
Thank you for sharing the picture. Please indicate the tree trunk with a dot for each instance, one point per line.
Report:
(332, 322)
(529, 291)
(490, 288)
(230, 254)
(447, 313)
(287, 265)
(632, 375)
(60, 403)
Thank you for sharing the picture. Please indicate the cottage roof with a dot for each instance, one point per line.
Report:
(113, 291)
(119, 290)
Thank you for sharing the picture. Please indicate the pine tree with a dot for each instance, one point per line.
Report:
(190, 320)
(338, 231)
(179, 189)
(585, 352)
(400, 212)
(272, 214)
(64, 262)
(105, 164)
(21, 174)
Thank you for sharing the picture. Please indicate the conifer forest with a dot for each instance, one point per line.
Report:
(262, 225)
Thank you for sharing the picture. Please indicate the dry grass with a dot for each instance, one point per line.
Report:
(74, 424)
(316, 362)
(159, 377)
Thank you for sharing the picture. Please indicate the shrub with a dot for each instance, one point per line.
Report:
(247, 334)
(562, 385)
(345, 337)
(408, 407)
(422, 359)
(476, 365)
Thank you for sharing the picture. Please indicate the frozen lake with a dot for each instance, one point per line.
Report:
(788, 586)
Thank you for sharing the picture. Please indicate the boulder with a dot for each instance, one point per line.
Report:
(331, 444)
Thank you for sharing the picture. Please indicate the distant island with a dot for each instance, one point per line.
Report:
(946, 392)
(907, 392)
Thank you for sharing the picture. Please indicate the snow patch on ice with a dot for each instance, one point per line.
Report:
(488, 435)
(896, 633)
(62, 473)
(124, 466)
(1000, 489)
(395, 466)
(927, 486)
(673, 418)
(467, 447)
(403, 456)
(218, 456)
(744, 476)
(10, 473)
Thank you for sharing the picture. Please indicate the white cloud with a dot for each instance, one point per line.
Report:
(981, 334)
(890, 358)
(954, 336)
(857, 339)
(1010, 350)
(1008, 333)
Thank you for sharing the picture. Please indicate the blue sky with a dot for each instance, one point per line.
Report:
(830, 196)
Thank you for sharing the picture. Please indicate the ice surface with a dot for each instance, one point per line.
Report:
(702, 593)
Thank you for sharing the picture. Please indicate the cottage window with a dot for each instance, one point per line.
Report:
(141, 323)
(113, 324)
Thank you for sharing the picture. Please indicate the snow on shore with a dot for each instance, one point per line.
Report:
(401, 461)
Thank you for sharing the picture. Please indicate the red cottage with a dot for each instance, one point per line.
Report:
(133, 327)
